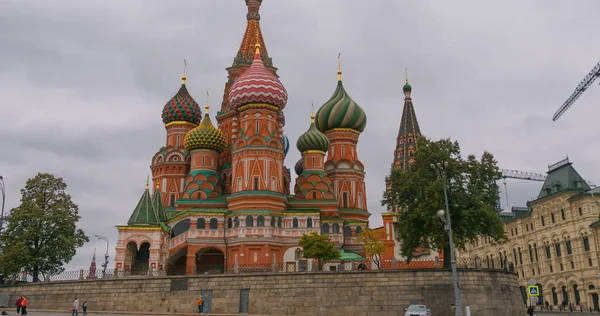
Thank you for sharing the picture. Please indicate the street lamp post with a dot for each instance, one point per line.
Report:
(440, 169)
(3, 191)
(105, 264)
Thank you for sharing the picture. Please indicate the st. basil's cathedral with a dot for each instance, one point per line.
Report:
(222, 195)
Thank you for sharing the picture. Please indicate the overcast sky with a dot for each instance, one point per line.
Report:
(83, 83)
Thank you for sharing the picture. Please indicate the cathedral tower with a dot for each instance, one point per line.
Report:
(170, 163)
(406, 143)
(258, 152)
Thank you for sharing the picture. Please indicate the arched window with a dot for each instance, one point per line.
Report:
(201, 224)
(298, 254)
(279, 222)
(236, 222)
(586, 243)
(309, 222)
(260, 221)
(576, 294)
(214, 223)
(569, 248)
(515, 256)
(358, 230)
(530, 253)
(557, 246)
(295, 223)
(565, 295)
(548, 254)
(562, 214)
(229, 223)
(336, 228)
(536, 252)
(554, 296)
(325, 228)
(249, 221)
(347, 231)
(520, 256)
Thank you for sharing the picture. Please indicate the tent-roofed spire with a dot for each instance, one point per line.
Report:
(144, 213)
(157, 204)
(245, 55)
(406, 143)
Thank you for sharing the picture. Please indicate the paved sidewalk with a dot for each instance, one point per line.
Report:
(33, 312)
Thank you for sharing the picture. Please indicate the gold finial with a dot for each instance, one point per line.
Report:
(257, 50)
(147, 182)
(206, 107)
(405, 75)
(184, 78)
(312, 113)
(157, 185)
(339, 67)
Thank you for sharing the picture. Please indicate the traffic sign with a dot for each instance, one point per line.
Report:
(533, 290)
(535, 300)
(532, 282)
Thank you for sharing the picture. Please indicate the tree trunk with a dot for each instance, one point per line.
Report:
(36, 275)
(447, 256)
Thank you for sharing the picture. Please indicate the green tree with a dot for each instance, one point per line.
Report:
(472, 194)
(42, 234)
(373, 242)
(315, 246)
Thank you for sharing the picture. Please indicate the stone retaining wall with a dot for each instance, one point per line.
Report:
(351, 293)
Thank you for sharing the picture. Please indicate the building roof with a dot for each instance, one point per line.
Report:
(182, 107)
(349, 255)
(144, 213)
(312, 139)
(562, 177)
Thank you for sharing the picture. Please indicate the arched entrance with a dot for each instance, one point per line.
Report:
(592, 289)
(176, 265)
(210, 260)
(541, 297)
(130, 252)
(142, 257)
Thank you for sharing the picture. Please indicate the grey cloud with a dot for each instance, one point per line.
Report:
(82, 85)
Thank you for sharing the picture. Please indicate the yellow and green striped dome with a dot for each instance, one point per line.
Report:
(205, 136)
(312, 139)
(340, 111)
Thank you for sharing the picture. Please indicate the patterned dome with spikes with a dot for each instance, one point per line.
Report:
(257, 85)
(312, 139)
(340, 111)
(182, 107)
(286, 144)
(205, 136)
(299, 167)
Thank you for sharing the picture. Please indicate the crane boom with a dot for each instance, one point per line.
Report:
(522, 175)
(583, 85)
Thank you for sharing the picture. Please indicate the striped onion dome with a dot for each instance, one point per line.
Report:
(257, 85)
(312, 139)
(205, 136)
(340, 111)
(299, 167)
(286, 144)
(182, 107)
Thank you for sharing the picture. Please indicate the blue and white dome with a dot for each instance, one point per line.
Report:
(286, 144)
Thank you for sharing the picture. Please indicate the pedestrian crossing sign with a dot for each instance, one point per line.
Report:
(533, 290)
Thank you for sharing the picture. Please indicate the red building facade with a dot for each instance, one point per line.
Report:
(222, 197)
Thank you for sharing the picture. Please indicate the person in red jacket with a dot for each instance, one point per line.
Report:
(19, 300)
(24, 306)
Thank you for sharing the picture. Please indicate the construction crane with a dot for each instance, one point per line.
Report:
(585, 83)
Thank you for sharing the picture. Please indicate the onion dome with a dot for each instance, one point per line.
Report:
(205, 136)
(340, 111)
(182, 107)
(312, 139)
(299, 167)
(286, 144)
(407, 87)
(257, 85)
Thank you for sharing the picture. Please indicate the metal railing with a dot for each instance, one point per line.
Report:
(294, 266)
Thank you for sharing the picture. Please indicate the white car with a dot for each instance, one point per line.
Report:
(417, 310)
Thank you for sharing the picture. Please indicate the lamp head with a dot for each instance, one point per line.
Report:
(445, 164)
(441, 214)
(432, 166)
(439, 165)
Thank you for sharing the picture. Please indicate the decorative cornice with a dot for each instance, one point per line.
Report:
(314, 152)
(333, 130)
(180, 123)
(258, 106)
(137, 228)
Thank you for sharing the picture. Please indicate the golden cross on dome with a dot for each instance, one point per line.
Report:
(312, 113)
(183, 78)
(339, 67)
(206, 107)
(147, 182)
(406, 75)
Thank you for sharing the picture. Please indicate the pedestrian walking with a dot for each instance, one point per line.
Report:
(24, 306)
(530, 310)
(75, 307)
(18, 304)
(200, 304)
(84, 305)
